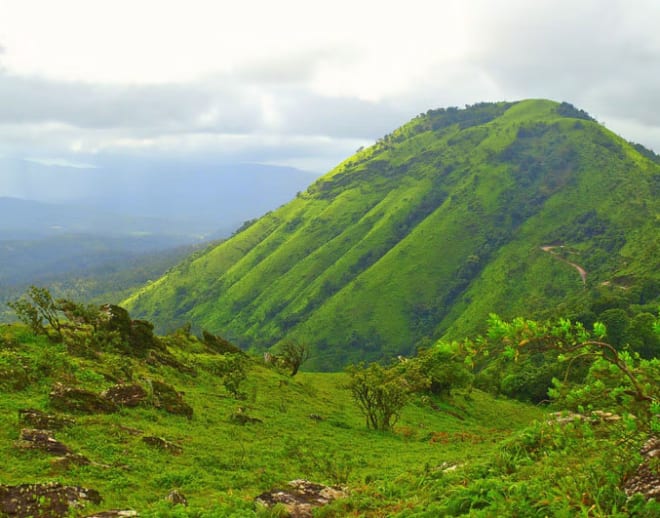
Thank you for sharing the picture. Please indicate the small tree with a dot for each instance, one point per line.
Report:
(380, 393)
(293, 354)
(235, 375)
(39, 312)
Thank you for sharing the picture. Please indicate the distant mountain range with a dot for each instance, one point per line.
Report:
(83, 220)
(28, 220)
(164, 196)
(456, 214)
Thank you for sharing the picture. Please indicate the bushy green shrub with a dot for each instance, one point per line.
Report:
(380, 393)
(232, 368)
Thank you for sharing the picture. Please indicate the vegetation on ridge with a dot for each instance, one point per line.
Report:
(425, 233)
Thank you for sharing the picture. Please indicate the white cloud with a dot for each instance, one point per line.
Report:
(306, 82)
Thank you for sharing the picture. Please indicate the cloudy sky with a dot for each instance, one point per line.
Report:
(304, 82)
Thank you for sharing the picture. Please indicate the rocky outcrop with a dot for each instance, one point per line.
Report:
(73, 399)
(38, 419)
(167, 398)
(31, 439)
(646, 479)
(219, 345)
(43, 440)
(301, 497)
(160, 443)
(51, 500)
(129, 395)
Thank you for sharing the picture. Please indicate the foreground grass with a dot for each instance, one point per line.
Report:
(308, 428)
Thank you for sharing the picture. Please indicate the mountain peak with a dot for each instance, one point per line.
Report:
(428, 230)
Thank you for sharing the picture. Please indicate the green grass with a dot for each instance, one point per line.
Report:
(471, 454)
(224, 465)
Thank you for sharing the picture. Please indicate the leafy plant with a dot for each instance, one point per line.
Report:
(617, 379)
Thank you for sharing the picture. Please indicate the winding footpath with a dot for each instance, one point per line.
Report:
(550, 250)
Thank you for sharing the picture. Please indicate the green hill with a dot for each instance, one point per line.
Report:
(429, 230)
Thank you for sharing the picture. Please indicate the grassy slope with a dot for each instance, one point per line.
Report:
(425, 233)
(223, 465)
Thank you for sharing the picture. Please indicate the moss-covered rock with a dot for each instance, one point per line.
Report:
(43, 440)
(38, 419)
(301, 497)
(50, 500)
(169, 399)
(68, 461)
(73, 399)
(125, 394)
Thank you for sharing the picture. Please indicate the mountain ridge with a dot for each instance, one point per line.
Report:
(424, 233)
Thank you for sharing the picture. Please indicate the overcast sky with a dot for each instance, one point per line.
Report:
(304, 82)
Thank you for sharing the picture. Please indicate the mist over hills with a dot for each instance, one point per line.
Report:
(454, 215)
(196, 196)
(84, 225)
(28, 220)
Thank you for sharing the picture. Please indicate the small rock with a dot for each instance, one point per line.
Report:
(52, 500)
(130, 395)
(31, 439)
(176, 497)
(159, 442)
(42, 420)
(565, 417)
(301, 498)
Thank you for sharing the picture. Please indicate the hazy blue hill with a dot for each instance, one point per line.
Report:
(93, 227)
(429, 230)
(200, 196)
(28, 219)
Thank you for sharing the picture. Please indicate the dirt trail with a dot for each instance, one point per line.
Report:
(583, 273)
